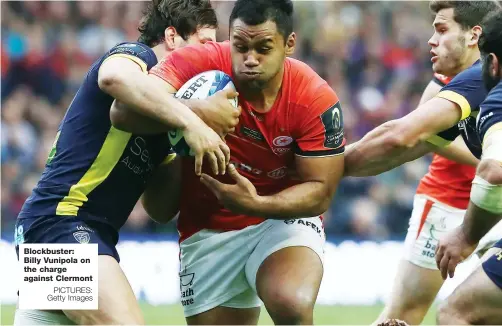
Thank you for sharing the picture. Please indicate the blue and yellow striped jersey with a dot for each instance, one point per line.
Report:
(467, 91)
(95, 170)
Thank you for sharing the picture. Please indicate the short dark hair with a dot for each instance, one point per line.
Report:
(490, 40)
(184, 15)
(255, 12)
(466, 13)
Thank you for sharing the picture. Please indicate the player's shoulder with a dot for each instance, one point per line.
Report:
(307, 83)
(492, 103)
(133, 50)
(490, 110)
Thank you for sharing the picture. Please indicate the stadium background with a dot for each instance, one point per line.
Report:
(374, 54)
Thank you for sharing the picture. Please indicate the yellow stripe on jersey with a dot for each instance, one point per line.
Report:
(495, 127)
(458, 99)
(169, 158)
(137, 60)
(109, 155)
(438, 141)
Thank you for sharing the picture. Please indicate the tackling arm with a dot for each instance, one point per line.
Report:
(127, 81)
(399, 141)
(485, 208)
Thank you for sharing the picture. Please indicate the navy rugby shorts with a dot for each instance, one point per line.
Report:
(67, 229)
(493, 266)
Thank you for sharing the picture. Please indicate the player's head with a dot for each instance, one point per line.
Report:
(490, 45)
(178, 22)
(261, 36)
(456, 33)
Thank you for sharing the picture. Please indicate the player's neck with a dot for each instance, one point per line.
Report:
(471, 58)
(263, 100)
(160, 51)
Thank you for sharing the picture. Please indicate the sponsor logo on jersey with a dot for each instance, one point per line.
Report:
(253, 134)
(278, 173)
(281, 150)
(282, 141)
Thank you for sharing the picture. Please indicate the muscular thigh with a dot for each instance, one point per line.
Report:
(289, 261)
(226, 316)
(117, 302)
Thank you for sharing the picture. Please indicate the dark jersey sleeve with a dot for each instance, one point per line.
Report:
(466, 90)
(490, 114)
(137, 52)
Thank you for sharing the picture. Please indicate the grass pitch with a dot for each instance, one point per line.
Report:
(323, 315)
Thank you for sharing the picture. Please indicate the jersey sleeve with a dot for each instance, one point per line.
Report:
(137, 52)
(466, 90)
(321, 129)
(185, 63)
(490, 114)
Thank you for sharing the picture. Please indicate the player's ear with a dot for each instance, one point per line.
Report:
(494, 64)
(291, 44)
(475, 34)
(169, 35)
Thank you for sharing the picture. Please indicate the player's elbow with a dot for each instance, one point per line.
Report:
(490, 170)
(109, 80)
(323, 202)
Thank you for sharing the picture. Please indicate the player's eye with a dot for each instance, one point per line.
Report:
(241, 48)
(265, 49)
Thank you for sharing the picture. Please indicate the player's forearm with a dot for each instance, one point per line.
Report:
(302, 200)
(477, 222)
(380, 151)
(126, 119)
(143, 95)
(485, 208)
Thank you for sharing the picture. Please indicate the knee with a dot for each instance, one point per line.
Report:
(411, 311)
(290, 307)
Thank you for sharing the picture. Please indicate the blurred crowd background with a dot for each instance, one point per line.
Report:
(374, 54)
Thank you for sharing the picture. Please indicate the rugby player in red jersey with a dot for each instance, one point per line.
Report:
(266, 241)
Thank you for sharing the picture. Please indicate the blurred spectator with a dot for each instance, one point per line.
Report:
(374, 54)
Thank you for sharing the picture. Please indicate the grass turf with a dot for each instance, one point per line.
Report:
(323, 315)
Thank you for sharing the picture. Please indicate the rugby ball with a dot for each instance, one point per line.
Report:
(199, 87)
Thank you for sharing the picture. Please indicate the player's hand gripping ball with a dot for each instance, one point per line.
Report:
(200, 87)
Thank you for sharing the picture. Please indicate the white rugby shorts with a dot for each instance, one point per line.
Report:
(219, 268)
(429, 222)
